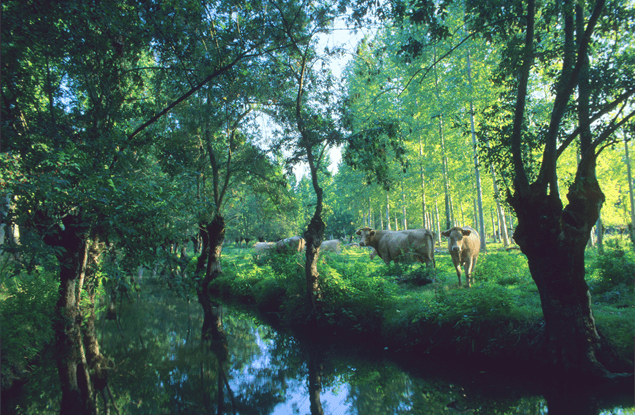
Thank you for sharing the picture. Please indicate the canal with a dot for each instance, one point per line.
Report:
(160, 365)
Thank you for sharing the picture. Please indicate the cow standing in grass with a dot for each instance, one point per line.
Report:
(293, 244)
(396, 245)
(332, 245)
(464, 245)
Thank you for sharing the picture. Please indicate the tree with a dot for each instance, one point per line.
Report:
(68, 93)
(630, 193)
(551, 95)
(588, 104)
(78, 110)
(306, 114)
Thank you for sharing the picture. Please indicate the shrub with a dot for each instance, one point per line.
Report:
(422, 275)
(479, 303)
(30, 301)
(353, 301)
(269, 294)
(613, 270)
(502, 268)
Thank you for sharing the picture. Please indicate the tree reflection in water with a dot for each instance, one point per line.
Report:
(165, 364)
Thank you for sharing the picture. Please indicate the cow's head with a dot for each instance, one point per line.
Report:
(366, 234)
(456, 238)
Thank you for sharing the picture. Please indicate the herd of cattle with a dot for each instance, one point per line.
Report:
(463, 244)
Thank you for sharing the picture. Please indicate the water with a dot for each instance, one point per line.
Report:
(160, 365)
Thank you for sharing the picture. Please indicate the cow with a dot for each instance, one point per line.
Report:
(464, 245)
(263, 247)
(373, 253)
(293, 244)
(393, 245)
(332, 245)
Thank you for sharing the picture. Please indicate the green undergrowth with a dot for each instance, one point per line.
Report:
(400, 306)
(29, 300)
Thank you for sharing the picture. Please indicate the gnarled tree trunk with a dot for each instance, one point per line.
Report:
(212, 234)
(554, 240)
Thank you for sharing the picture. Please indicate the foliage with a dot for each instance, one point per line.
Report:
(503, 268)
(29, 299)
(81, 82)
(613, 272)
(353, 304)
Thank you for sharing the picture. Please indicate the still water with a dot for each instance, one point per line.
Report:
(160, 365)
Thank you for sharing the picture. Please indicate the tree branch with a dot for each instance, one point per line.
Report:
(569, 81)
(521, 180)
(607, 108)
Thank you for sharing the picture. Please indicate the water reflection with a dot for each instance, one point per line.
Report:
(163, 363)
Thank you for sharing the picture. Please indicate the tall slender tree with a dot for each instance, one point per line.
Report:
(306, 112)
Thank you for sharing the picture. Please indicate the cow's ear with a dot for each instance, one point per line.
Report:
(446, 233)
(371, 233)
(466, 232)
(359, 233)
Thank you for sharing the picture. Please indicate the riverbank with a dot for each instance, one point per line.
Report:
(499, 318)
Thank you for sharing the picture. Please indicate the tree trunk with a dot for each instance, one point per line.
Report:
(381, 220)
(554, 240)
(424, 213)
(436, 209)
(453, 221)
(446, 185)
(477, 175)
(478, 224)
(96, 361)
(444, 158)
(5, 206)
(630, 192)
(387, 211)
(313, 237)
(502, 226)
(510, 226)
(599, 234)
(77, 396)
(403, 204)
(212, 236)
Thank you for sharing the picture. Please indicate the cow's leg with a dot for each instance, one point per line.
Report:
(468, 271)
(472, 266)
(457, 265)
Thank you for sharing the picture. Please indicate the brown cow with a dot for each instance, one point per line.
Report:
(293, 244)
(464, 245)
(392, 245)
